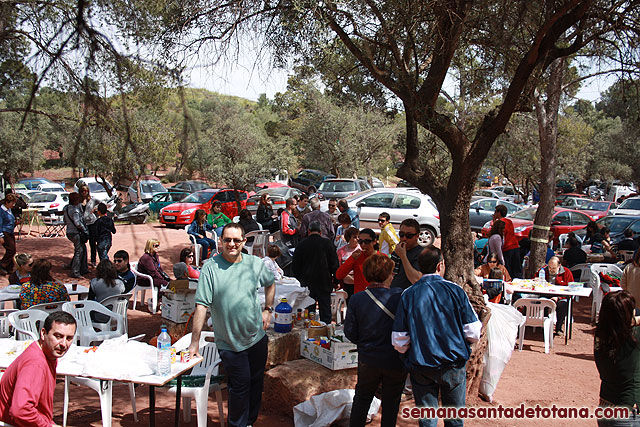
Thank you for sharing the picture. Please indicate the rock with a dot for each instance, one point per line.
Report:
(283, 347)
(296, 381)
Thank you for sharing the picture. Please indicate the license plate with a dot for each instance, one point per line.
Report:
(169, 218)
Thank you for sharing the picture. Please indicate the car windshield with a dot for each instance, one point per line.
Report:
(596, 206)
(527, 214)
(51, 189)
(337, 186)
(43, 198)
(152, 187)
(278, 191)
(630, 204)
(615, 224)
(199, 197)
(95, 187)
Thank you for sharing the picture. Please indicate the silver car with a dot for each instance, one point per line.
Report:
(339, 188)
(400, 204)
(482, 210)
(148, 189)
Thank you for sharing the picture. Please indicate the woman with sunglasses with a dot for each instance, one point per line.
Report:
(351, 237)
(366, 240)
(22, 273)
(150, 264)
(492, 262)
(265, 215)
(186, 256)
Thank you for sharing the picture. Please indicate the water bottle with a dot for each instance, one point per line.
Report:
(164, 352)
(283, 317)
(541, 275)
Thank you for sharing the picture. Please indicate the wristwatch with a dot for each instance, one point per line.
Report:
(269, 309)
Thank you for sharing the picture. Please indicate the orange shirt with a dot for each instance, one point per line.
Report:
(359, 282)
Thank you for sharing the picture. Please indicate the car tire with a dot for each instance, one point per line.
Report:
(427, 236)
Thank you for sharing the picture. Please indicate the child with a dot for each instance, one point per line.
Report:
(217, 219)
(345, 222)
(104, 229)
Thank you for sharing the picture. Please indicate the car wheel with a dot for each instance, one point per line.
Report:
(427, 236)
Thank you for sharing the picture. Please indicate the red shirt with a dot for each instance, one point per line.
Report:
(26, 389)
(359, 282)
(510, 240)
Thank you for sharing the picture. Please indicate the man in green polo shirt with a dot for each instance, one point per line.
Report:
(229, 285)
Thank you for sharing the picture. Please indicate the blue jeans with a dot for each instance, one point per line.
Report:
(103, 246)
(206, 243)
(449, 383)
(245, 374)
(218, 230)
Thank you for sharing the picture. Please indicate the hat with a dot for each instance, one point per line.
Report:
(181, 271)
(315, 226)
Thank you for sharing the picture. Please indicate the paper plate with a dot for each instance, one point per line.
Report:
(14, 289)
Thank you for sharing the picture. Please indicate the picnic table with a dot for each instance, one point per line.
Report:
(13, 294)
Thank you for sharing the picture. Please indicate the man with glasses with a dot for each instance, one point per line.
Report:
(121, 262)
(314, 264)
(406, 255)
(388, 238)
(228, 285)
(333, 211)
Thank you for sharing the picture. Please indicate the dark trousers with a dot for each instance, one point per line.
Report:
(93, 241)
(104, 244)
(79, 261)
(449, 383)
(9, 251)
(513, 263)
(324, 304)
(562, 306)
(206, 243)
(369, 378)
(245, 374)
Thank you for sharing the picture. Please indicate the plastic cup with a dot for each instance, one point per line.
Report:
(74, 286)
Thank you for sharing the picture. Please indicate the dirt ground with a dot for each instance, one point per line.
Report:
(565, 377)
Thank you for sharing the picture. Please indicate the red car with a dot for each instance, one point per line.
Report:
(563, 221)
(597, 209)
(183, 212)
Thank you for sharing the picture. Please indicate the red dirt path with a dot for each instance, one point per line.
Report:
(566, 377)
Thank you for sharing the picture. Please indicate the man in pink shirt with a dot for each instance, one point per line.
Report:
(26, 388)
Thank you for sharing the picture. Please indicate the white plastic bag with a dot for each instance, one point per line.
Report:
(324, 409)
(502, 332)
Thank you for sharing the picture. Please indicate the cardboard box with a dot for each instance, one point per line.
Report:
(176, 311)
(339, 356)
(188, 296)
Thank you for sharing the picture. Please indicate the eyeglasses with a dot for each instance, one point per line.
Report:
(117, 261)
(30, 264)
(493, 261)
(229, 240)
(190, 256)
(407, 235)
(381, 220)
(156, 246)
(365, 241)
(332, 206)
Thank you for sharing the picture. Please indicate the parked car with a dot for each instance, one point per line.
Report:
(618, 191)
(51, 188)
(309, 180)
(495, 194)
(190, 186)
(18, 189)
(630, 206)
(96, 188)
(183, 212)
(481, 211)
(339, 188)
(598, 209)
(32, 183)
(49, 202)
(561, 197)
(575, 202)
(512, 193)
(563, 221)
(618, 224)
(279, 196)
(161, 200)
(148, 188)
(376, 182)
(400, 204)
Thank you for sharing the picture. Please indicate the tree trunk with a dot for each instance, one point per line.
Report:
(547, 115)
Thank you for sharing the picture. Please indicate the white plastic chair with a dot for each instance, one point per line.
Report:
(563, 239)
(48, 307)
(5, 326)
(260, 243)
(535, 317)
(27, 323)
(585, 272)
(196, 247)
(86, 333)
(625, 255)
(339, 305)
(143, 288)
(209, 366)
(117, 304)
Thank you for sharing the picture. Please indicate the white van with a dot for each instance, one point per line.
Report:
(618, 191)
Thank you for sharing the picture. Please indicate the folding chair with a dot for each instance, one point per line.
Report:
(55, 226)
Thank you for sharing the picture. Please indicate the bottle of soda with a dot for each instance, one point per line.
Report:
(164, 352)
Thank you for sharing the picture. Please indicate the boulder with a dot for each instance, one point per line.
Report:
(295, 381)
(283, 347)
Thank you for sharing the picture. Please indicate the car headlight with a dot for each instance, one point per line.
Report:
(519, 229)
(188, 212)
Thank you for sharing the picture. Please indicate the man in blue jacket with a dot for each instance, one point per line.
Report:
(433, 327)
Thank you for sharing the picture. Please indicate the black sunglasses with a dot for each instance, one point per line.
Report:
(229, 240)
(407, 235)
(365, 241)
(117, 261)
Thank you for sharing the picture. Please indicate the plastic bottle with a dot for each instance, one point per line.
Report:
(283, 317)
(541, 275)
(164, 352)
